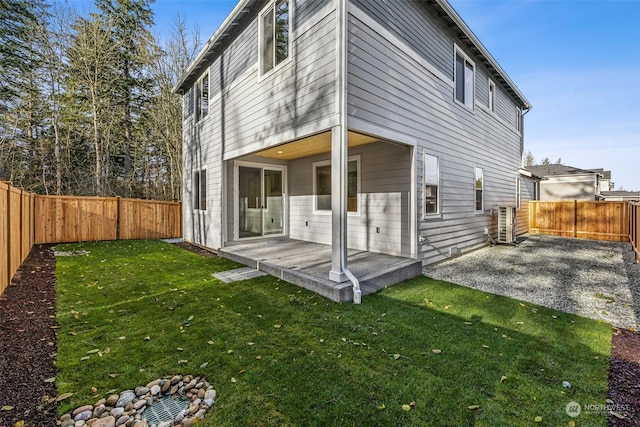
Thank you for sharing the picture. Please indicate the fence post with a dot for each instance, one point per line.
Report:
(9, 274)
(118, 218)
(575, 218)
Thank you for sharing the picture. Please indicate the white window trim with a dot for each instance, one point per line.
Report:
(317, 211)
(194, 190)
(518, 119)
(275, 68)
(491, 103)
(436, 214)
(457, 50)
(478, 211)
(197, 97)
(518, 192)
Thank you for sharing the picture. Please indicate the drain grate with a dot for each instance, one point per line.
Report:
(166, 409)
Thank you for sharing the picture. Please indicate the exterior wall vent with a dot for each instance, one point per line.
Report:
(506, 224)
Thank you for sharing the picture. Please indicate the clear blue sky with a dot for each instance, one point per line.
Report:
(577, 61)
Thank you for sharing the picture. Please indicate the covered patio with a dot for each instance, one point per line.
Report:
(307, 265)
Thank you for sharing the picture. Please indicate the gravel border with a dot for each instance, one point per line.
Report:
(596, 279)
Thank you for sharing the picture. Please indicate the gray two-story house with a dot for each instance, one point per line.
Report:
(379, 126)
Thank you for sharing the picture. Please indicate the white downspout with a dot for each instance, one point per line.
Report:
(344, 135)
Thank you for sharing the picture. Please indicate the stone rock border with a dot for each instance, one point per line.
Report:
(125, 409)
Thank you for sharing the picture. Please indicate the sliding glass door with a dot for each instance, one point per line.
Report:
(260, 201)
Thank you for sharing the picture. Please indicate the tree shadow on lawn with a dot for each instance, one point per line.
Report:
(444, 347)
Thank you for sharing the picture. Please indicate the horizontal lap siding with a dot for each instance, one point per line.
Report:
(391, 90)
(299, 93)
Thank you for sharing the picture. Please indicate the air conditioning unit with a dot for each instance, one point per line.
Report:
(506, 224)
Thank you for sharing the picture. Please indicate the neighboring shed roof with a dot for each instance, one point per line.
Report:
(557, 169)
(633, 194)
(246, 9)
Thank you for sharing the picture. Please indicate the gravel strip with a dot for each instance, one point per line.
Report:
(596, 279)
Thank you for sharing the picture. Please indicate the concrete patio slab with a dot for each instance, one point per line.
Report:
(308, 264)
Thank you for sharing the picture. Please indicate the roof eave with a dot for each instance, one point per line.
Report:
(459, 22)
(217, 38)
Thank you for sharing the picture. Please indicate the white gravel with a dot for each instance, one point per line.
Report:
(596, 279)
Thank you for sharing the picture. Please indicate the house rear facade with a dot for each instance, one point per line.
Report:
(380, 126)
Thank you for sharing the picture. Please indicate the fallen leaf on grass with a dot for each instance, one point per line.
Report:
(537, 419)
(473, 407)
(63, 396)
(6, 408)
(381, 407)
(113, 375)
(437, 351)
(503, 379)
(233, 380)
(396, 356)
(19, 423)
(485, 346)
(83, 358)
(277, 326)
(50, 380)
(406, 407)
(618, 415)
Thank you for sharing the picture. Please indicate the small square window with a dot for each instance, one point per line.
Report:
(322, 185)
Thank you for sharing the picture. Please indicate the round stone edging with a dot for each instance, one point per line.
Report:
(125, 409)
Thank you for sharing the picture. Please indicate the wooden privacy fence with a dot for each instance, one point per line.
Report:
(16, 230)
(27, 219)
(61, 219)
(580, 218)
(634, 228)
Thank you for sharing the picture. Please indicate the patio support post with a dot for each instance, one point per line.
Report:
(338, 204)
(339, 155)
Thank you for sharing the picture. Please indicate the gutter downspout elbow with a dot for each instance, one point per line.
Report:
(357, 293)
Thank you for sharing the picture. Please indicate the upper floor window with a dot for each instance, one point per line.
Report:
(479, 188)
(202, 97)
(188, 103)
(492, 96)
(464, 79)
(431, 184)
(275, 23)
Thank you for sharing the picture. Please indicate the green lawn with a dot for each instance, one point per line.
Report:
(280, 355)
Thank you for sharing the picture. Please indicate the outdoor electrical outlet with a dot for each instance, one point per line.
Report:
(378, 230)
